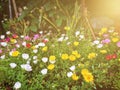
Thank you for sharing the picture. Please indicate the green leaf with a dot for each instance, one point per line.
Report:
(33, 28)
(59, 22)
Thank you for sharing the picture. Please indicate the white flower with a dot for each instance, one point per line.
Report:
(41, 44)
(28, 62)
(99, 45)
(8, 32)
(41, 32)
(69, 74)
(25, 56)
(26, 67)
(72, 68)
(13, 65)
(44, 59)
(24, 43)
(44, 71)
(81, 36)
(60, 39)
(68, 43)
(17, 85)
(52, 61)
(77, 33)
(2, 36)
(35, 57)
(2, 57)
(36, 46)
(66, 38)
(25, 8)
(35, 61)
(4, 44)
(35, 50)
(17, 45)
(111, 31)
(96, 42)
(22, 36)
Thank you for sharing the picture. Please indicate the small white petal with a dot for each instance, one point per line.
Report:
(72, 68)
(99, 45)
(17, 85)
(2, 57)
(41, 44)
(13, 65)
(8, 32)
(35, 50)
(44, 59)
(96, 42)
(69, 74)
(52, 61)
(77, 33)
(4, 44)
(26, 67)
(25, 56)
(2, 36)
(35, 57)
(44, 71)
(60, 39)
(81, 36)
(35, 61)
(24, 43)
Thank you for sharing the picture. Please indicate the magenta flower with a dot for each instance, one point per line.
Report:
(7, 39)
(118, 44)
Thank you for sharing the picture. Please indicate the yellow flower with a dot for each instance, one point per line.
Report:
(84, 71)
(103, 51)
(51, 66)
(115, 33)
(88, 77)
(76, 54)
(72, 58)
(75, 77)
(91, 55)
(45, 48)
(13, 41)
(76, 43)
(115, 39)
(33, 47)
(67, 28)
(15, 53)
(64, 56)
(104, 30)
(52, 58)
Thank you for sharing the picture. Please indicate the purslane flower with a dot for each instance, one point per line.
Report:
(17, 85)
(44, 71)
(25, 56)
(13, 65)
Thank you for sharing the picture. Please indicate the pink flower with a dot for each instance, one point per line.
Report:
(36, 36)
(118, 44)
(106, 41)
(0, 51)
(105, 35)
(27, 38)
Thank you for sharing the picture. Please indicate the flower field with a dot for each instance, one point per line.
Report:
(67, 61)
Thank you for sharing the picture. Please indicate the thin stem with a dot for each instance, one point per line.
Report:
(50, 23)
